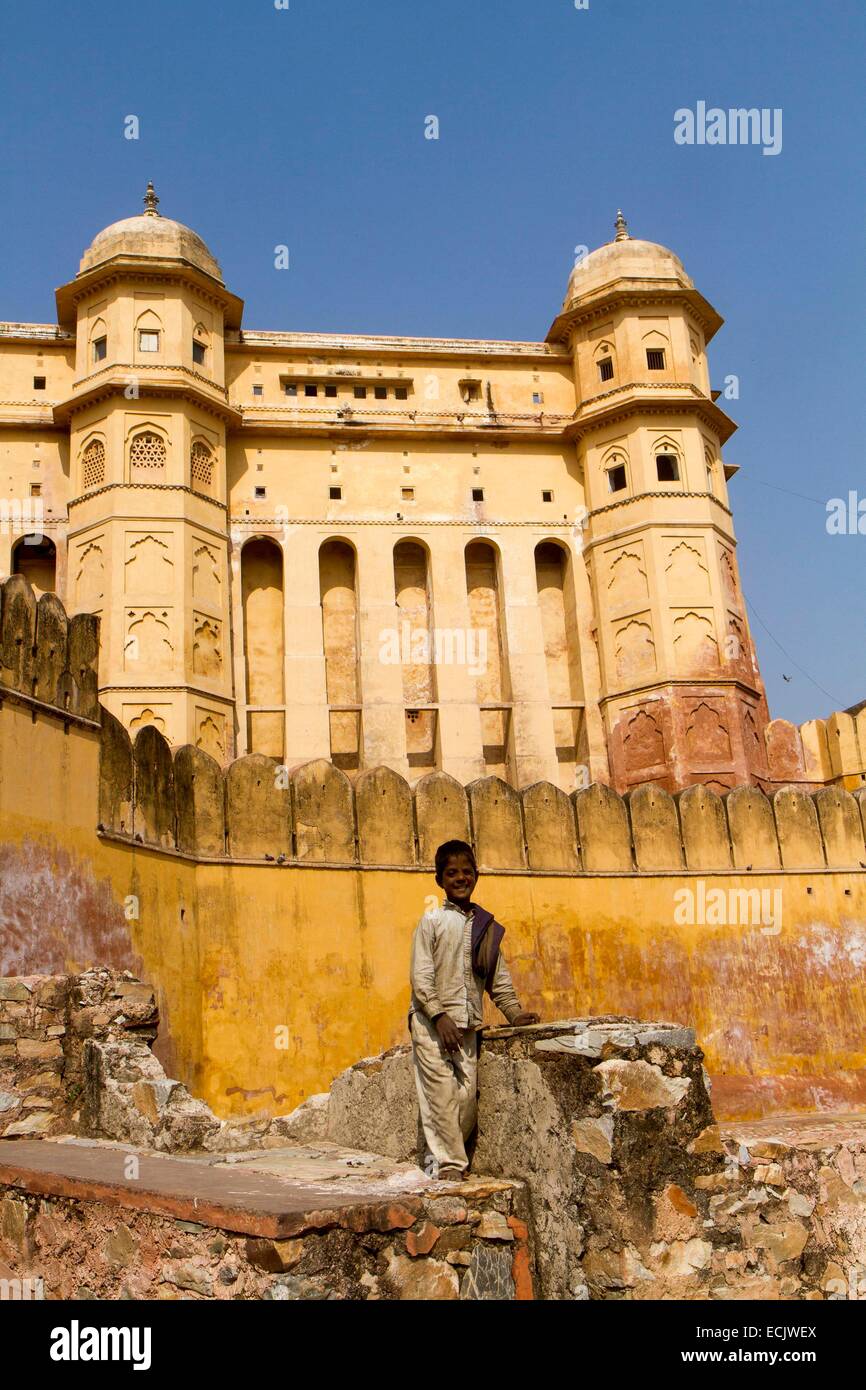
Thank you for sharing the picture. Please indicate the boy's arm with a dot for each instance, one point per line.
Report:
(422, 974)
(502, 991)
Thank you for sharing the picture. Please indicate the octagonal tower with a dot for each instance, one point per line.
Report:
(680, 692)
(147, 417)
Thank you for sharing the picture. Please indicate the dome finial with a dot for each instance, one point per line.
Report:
(621, 227)
(150, 202)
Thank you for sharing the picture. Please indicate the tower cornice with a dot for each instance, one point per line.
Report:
(128, 268)
(627, 293)
(633, 398)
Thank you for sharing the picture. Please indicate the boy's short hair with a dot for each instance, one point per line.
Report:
(446, 851)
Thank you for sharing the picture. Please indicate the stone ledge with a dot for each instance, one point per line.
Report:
(298, 1223)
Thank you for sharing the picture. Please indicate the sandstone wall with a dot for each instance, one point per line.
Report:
(821, 751)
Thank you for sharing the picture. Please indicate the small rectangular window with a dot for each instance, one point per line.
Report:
(546, 495)
(35, 489)
(667, 468)
(258, 390)
(198, 352)
(335, 493)
(311, 389)
(330, 391)
(407, 494)
(261, 492)
(655, 359)
(360, 393)
(401, 393)
(291, 388)
(605, 368)
(380, 392)
(148, 341)
(470, 391)
(616, 480)
(39, 383)
(538, 398)
(478, 494)
(100, 348)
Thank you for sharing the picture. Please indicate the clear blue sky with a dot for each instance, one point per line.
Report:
(305, 126)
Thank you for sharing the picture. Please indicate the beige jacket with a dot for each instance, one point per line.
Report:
(441, 973)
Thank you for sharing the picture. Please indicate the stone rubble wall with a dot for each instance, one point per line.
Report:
(76, 1058)
(634, 1191)
(432, 1246)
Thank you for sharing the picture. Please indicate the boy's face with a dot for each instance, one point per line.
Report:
(459, 878)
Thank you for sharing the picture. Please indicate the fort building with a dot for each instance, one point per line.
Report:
(477, 557)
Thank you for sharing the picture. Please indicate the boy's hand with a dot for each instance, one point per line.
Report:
(449, 1033)
(523, 1019)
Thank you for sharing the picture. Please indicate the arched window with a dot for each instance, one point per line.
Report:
(605, 361)
(559, 622)
(148, 336)
(93, 465)
(262, 598)
(98, 342)
(201, 467)
(36, 558)
(615, 471)
(147, 457)
(338, 588)
(656, 347)
(669, 466)
(200, 345)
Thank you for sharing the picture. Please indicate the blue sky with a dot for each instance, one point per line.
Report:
(305, 126)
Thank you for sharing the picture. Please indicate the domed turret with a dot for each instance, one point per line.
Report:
(624, 258)
(150, 234)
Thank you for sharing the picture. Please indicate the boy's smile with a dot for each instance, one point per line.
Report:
(459, 879)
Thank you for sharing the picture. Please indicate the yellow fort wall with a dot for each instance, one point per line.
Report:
(273, 908)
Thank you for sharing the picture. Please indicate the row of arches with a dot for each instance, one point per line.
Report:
(415, 642)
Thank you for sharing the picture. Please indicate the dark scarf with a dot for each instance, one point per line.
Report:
(487, 937)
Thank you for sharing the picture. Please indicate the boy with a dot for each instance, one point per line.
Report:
(455, 957)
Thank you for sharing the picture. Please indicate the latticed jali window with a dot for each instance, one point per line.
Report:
(201, 467)
(147, 454)
(93, 464)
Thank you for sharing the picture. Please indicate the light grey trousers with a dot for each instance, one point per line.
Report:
(447, 1086)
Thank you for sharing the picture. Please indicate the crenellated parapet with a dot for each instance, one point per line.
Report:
(46, 658)
(258, 810)
(182, 801)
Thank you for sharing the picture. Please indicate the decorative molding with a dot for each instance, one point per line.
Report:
(638, 496)
(160, 487)
(409, 523)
